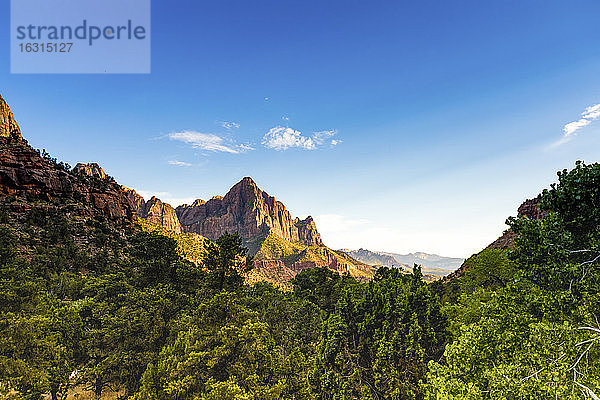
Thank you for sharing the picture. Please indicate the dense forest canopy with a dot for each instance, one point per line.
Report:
(122, 312)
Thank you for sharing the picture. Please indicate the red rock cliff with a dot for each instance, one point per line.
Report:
(26, 173)
(249, 211)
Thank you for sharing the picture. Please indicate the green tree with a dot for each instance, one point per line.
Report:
(562, 250)
(224, 343)
(227, 262)
(378, 341)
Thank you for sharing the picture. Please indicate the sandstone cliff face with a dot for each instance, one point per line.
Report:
(25, 173)
(159, 213)
(8, 126)
(249, 211)
(154, 211)
(91, 169)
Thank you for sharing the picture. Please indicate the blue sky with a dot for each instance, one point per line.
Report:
(400, 126)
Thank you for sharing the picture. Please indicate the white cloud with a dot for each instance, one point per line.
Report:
(590, 114)
(208, 141)
(180, 163)
(246, 147)
(574, 126)
(283, 138)
(229, 125)
(322, 136)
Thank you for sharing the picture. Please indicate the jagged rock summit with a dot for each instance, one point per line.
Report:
(249, 211)
(91, 169)
(159, 213)
(8, 126)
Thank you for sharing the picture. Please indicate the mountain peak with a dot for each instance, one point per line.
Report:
(157, 212)
(246, 183)
(248, 180)
(249, 211)
(8, 126)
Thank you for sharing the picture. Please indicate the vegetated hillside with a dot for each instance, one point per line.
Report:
(280, 245)
(190, 246)
(530, 300)
(278, 260)
(92, 305)
(530, 208)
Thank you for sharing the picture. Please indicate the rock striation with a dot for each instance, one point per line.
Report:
(249, 211)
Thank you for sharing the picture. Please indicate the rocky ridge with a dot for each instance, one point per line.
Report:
(26, 173)
(91, 169)
(159, 213)
(250, 212)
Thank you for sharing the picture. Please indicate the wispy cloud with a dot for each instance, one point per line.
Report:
(590, 114)
(209, 142)
(229, 125)
(322, 136)
(283, 138)
(180, 163)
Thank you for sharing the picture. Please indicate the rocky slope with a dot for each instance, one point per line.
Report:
(27, 174)
(529, 208)
(135, 199)
(154, 211)
(249, 211)
(91, 169)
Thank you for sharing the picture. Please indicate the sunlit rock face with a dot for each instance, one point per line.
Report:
(249, 211)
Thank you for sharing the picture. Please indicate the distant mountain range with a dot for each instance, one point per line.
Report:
(432, 263)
